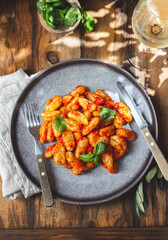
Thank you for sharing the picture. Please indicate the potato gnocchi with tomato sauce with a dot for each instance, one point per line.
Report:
(84, 129)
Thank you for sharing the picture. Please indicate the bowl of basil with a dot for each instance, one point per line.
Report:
(62, 16)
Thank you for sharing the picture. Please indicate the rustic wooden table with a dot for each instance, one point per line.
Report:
(25, 44)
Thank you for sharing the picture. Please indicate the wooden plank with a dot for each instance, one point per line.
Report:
(86, 233)
(15, 36)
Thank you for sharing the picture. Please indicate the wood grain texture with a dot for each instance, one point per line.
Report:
(25, 44)
(89, 234)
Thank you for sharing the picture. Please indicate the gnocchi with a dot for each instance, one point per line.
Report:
(83, 128)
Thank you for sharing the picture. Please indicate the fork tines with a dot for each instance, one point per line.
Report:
(30, 114)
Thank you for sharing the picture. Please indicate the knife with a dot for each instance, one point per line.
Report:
(142, 124)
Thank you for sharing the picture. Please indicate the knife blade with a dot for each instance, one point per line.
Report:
(142, 124)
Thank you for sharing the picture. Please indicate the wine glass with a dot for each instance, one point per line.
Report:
(150, 27)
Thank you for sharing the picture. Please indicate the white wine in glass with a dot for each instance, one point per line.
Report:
(150, 26)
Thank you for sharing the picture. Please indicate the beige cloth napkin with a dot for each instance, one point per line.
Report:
(14, 183)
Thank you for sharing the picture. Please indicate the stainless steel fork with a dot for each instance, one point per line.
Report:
(33, 125)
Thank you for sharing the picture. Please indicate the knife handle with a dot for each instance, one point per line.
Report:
(45, 185)
(161, 161)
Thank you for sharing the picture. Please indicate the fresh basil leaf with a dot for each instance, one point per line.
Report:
(41, 6)
(87, 157)
(52, 1)
(89, 24)
(72, 16)
(51, 18)
(84, 16)
(100, 148)
(59, 4)
(58, 17)
(107, 114)
(49, 9)
(96, 160)
(44, 16)
(65, 9)
(60, 124)
(50, 24)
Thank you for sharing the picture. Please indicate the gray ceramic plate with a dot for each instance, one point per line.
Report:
(97, 185)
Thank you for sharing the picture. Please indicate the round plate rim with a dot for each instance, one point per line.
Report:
(86, 60)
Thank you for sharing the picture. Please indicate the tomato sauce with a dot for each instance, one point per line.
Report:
(89, 105)
(82, 86)
(89, 149)
(61, 140)
(110, 104)
(114, 169)
(99, 101)
(50, 101)
(116, 106)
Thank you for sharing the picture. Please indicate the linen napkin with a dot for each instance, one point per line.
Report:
(14, 182)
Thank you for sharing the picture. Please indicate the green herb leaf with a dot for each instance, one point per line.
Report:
(41, 6)
(52, 1)
(84, 16)
(60, 124)
(87, 157)
(51, 18)
(150, 175)
(59, 4)
(166, 183)
(140, 191)
(146, 201)
(100, 148)
(49, 9)
(58, 17)
(72, 16)
(64, 10)
(44, 16)
(89, 24)
(160, 183)
(96, 160)
(107, 114)
(153, 186)
(138, 212)
(139, 202)
(159, 173)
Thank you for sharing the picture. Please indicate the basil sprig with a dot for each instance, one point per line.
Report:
(57, 13)
(60, 124)
(87, 157)
(96, 159)
(107, 114)
(87, 22)
(98, 150)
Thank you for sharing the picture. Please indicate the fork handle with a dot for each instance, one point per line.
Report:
(45, 185)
